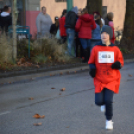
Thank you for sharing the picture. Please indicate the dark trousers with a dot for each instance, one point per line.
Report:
(105, 98)
(79, 49)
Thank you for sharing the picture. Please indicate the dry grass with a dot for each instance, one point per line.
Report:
(5, 49)
(51, 49)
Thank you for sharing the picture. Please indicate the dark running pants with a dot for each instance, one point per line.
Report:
(105, 98)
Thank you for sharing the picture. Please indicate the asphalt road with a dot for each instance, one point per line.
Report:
(66, 112)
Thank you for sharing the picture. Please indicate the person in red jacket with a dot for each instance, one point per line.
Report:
(84, 26)
(62, 26)
(105, 62)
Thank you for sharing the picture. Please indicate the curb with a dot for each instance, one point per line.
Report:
(18, 76)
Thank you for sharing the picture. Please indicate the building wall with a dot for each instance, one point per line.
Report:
(118, 7)
(56, 8)
(32, 10)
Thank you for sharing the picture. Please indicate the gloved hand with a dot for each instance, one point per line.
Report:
(116, 65)
(92, 72)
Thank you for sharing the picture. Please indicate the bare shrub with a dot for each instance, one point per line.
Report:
(5, 49)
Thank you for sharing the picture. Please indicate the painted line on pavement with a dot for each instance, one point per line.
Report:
(7, 112)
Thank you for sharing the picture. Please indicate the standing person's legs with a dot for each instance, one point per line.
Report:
(93, 43)
(71, 42)
(84, 43)
(88, 46)
(77, 46)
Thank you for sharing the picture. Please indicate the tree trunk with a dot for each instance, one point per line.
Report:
(94, 6)
(128, 32)
(14, 19)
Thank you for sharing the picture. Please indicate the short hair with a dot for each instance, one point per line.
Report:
(6, 8)
(43, 7)
(85, 10)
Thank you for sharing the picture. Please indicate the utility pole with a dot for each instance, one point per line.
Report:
(14, 20)
(69, 5)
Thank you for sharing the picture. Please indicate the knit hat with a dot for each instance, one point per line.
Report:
(108, 30)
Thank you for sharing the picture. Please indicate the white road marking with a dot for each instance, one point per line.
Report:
(7, 112)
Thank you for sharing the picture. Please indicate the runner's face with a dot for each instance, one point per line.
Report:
(105, 37)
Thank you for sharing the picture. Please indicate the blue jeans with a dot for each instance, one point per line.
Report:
(105, 98)
(71, 41)
(85, 43)
(93, 43)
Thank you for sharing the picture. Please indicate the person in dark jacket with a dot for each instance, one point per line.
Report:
(70, 23)
(84, 26)
(109, 21)
(5, 19)
(54, 27)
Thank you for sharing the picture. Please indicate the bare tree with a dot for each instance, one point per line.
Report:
(94, 5)
(128, 32)
(14, 20)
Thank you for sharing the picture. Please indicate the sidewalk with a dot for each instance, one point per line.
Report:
(17, 76)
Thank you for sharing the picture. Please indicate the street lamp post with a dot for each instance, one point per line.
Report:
(69, 5)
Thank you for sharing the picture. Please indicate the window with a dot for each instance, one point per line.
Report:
(61, 0)
(104, 11)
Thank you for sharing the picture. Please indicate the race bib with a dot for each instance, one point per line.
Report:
(106, 57)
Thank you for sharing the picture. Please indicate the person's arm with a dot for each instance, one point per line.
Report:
(93, 24)
(91, 62)
(52, 29)
(119, 63)
(38, 24)
(78, 25)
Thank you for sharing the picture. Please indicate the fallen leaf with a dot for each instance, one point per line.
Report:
(37, 124)
(130, 75)
(52, 88)
(51, 75)
(74, 71)
(59, 93)
(37, 116)
(68, 72)
(67, 127)
(63, 89)
(37, 66)
(61, 73)
(31, 98)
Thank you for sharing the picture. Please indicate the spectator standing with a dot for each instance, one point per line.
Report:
(109, 22)
(97, 13)
(43, 23)
(70, 23)
(5, 19)
(84, 26)
(62, 26)
(96, 33)
(55, 26)
(79, 48)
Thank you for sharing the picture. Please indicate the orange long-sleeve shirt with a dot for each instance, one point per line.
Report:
(103, 57)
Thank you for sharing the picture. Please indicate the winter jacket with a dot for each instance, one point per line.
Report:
(85, 25)
(103, 57)
(53, 29)
(71, 18)
(112, 26)
(62, 27)
(96, 33)
(5, 21)
(43, 23)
